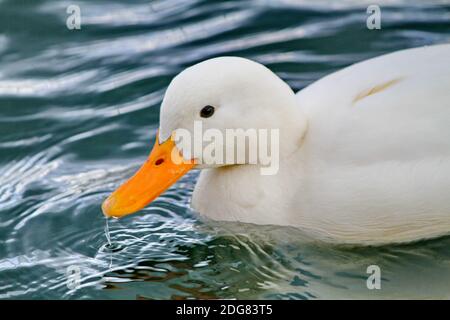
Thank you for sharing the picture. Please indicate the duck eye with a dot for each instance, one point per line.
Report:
(207, 112)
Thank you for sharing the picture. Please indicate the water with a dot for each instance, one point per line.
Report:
(78, 114)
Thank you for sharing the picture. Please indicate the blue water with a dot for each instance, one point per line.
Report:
(78, 114)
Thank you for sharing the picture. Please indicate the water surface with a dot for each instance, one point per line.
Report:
(78, 114)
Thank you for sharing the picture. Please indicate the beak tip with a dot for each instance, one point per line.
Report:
(111, 209)
(107, 208)
(158, 173)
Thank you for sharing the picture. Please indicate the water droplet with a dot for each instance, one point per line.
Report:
(108, 236)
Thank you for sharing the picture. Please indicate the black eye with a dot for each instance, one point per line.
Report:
(207, 112)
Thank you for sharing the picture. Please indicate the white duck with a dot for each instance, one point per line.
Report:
(364, 152)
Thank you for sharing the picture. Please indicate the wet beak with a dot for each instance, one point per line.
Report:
(164, 167)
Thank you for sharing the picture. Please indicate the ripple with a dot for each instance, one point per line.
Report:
(79, 111)
(43, 87)
(3, 43)
(139, 44)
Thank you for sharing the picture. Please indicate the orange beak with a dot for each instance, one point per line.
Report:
(164, 167)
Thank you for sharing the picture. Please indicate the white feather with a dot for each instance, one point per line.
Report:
(365, 155)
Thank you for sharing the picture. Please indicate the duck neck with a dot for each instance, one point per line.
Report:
(285, 137)
(293, 125)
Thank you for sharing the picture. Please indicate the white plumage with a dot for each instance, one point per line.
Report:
(365, 151)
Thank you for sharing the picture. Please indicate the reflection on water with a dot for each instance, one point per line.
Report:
(78, 113)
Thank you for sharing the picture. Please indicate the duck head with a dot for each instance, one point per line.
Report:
(215, 95)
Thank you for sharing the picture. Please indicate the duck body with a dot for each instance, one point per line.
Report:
(364, 153)
(373, 162)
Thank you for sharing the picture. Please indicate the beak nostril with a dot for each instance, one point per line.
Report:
(159, 161)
